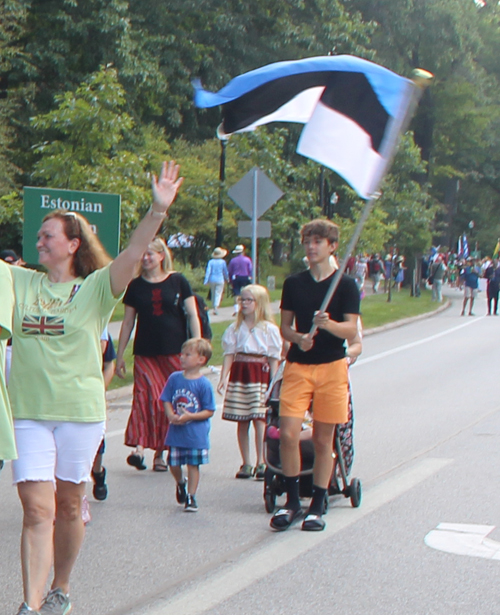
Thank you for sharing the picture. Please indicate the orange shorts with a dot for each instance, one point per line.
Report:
(325, 385)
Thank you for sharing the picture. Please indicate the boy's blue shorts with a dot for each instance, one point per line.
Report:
(180, 456)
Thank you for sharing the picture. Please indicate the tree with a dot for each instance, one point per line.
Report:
(456, 126)
(88, 137)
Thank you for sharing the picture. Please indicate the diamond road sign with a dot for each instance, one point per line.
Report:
(267, 192)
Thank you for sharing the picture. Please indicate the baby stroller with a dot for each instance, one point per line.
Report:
(274, 484)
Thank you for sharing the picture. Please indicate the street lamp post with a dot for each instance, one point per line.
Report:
(222, 180)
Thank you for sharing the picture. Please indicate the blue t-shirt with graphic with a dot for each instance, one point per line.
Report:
(189, 396)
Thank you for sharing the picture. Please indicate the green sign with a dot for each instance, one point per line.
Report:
(101, 210)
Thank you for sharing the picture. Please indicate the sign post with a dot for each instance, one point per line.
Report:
(255, 193)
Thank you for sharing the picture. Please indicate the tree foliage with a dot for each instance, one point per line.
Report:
(95, 93)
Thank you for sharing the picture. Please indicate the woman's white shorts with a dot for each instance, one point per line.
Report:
(55, 449)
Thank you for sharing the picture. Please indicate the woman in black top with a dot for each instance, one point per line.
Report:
(162, 301)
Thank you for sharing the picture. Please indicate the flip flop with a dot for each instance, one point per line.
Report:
(137, 461)
(159, 465)
(283, 518)
(313, 523)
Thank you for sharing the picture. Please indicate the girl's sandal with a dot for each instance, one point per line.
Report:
(159, 465)
(246, 471)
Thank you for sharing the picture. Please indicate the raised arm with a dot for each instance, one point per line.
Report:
(164, 192)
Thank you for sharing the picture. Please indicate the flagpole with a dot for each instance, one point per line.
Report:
(421, 80)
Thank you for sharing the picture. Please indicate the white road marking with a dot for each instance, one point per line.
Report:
(464, 539)
(284, 548)
(424, 340)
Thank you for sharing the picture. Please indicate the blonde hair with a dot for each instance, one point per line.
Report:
(158, 245)
(90, 254)
(263, 311)
(202, 346)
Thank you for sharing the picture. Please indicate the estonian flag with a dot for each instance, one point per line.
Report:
(353, 111)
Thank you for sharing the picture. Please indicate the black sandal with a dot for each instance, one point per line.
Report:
(284, 517)
(313, 523)
(137, 461)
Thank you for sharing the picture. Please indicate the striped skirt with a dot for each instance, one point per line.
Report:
(246, 389)
(148, 424)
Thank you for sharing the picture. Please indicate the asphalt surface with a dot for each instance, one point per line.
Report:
(427, 436)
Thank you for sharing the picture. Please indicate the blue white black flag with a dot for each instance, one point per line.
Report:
(352, 110)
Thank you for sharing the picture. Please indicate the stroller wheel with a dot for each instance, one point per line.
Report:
(269, 501)
(355, 492)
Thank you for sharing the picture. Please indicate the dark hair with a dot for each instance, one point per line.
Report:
(321, 228)
(90, 254)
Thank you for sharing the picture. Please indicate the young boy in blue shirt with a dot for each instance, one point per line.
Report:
(189, 401)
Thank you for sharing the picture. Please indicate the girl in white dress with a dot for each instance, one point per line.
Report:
(252, 349)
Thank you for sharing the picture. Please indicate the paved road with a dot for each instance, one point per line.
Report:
(427, 450)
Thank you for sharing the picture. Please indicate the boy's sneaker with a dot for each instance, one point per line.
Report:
(100, 489)
(24, 609)
(181, 492)
(190, 505)
(56, 603)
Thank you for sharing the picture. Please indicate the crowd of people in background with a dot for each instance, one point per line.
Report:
(373, 268)
(464, 274)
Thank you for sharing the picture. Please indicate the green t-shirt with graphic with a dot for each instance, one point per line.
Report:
(7, 441)
(56, 372)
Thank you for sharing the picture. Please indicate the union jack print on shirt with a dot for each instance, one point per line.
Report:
(43, 325)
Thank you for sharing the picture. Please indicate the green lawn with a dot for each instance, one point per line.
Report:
(375, 309)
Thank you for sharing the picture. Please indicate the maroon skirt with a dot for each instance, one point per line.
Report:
(246, 389)
(148, 424)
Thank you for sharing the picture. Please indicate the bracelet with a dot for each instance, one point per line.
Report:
(157, 214)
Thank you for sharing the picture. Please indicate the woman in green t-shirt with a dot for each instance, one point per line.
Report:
(58, 320)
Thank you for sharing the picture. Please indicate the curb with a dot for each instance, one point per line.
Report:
(127, 390)
(407, 321)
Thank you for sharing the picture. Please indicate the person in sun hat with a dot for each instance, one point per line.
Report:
(216, 275)
(240, 273)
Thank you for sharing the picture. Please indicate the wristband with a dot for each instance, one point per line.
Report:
(157, 214)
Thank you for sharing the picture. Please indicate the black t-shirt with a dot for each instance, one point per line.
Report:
(161, 324)
(303, 296)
